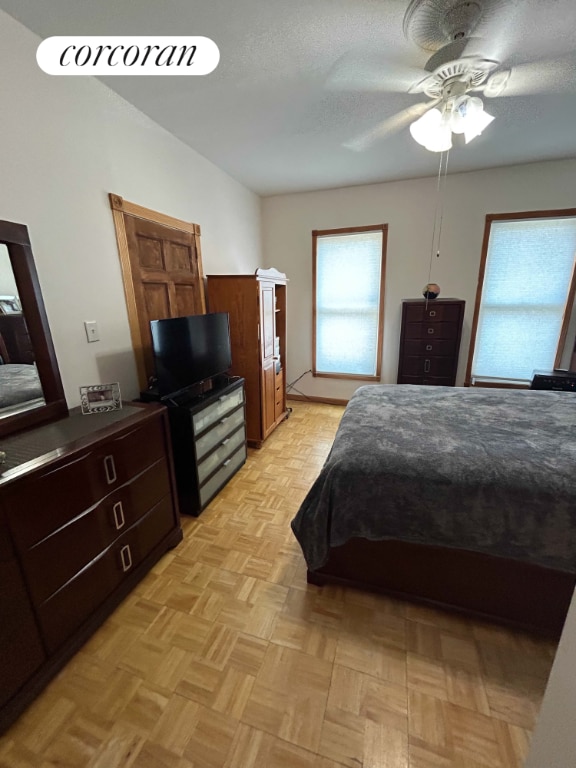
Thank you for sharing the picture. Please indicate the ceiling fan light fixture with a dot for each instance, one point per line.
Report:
(433, 130)
(424, 128)
(464, 115)
(476, 119)
(441, 139)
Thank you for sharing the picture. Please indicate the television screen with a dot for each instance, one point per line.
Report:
(188, 350)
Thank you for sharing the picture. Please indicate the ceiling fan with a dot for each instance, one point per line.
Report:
(468, 40)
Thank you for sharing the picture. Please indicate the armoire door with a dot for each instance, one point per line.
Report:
(267, 335)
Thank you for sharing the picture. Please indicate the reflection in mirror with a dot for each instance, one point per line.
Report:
(31, 390)
(20, 386)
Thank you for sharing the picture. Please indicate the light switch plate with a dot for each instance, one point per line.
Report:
(91, 330)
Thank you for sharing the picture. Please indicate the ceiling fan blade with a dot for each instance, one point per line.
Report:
(499, 31)
(554, 76)
(361, 71)
(390, 125)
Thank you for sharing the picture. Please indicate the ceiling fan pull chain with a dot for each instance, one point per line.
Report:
(442, 201)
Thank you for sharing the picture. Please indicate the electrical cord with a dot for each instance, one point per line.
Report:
(291, 385)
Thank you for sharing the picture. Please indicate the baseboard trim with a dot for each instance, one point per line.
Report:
(312, 399)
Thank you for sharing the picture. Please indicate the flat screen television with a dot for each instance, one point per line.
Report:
(189, 350)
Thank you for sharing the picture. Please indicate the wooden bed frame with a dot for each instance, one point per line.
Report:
(511, 592)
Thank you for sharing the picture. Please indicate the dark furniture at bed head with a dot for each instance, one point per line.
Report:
(4, 357)
(14, 330)
(460, 497)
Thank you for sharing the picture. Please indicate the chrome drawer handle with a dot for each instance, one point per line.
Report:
(428, 347)
(225, 464)
(110, 469)
(126, 557)
(432, 313)
(430, 330)
(426, 366)
(225, 441)
(118, 513)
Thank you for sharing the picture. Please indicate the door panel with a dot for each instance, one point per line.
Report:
(184, 298)
(156, 300)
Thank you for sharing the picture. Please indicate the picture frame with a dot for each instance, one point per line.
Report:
(100, 398)
(10, 305)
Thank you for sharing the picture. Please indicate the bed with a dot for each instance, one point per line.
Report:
(19, 385)
(458, 497)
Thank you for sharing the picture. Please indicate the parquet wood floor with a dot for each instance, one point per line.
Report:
(224, 657)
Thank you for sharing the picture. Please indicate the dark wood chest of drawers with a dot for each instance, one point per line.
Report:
(430, 341)
(88, 505)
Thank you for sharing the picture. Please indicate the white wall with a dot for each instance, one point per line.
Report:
(65, 143)
(554, 740)
(408, 208)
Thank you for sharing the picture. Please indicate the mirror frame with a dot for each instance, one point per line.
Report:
(15, 237)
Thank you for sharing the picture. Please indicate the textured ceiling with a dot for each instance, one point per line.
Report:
(270, 114)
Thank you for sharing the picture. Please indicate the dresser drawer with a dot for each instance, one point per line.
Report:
(434, 312)
(53, 498)
(219, 432)
(217, 410)
(427, 366)
(66, 610)
(215, 459)
(279, 399)
(210, 488)
(21, 651)
(6, 548)
(429, 347)
(432, 330)
(435, 381)
(55, 560)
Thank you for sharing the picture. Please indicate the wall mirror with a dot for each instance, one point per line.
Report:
(31, 389)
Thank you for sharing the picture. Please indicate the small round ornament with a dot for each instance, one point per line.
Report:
(431, 291)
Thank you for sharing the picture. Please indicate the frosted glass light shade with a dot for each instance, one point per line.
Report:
(440, 139)
(476, 118)
(432, 130)
(480, 122)
(422, 128)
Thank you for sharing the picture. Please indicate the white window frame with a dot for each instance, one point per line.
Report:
(487, 381)
(345, 231)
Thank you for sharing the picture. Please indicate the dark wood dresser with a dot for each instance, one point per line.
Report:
(14, 332)
(430, 341)
(88, 505)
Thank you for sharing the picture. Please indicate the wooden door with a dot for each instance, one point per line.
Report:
(162, 272)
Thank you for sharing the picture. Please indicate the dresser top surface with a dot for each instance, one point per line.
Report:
(433, 301)
(33, 448)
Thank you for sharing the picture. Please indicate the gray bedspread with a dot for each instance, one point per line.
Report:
(19, 384)
(487, 470)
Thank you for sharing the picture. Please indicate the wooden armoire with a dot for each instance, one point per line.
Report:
(257, 308)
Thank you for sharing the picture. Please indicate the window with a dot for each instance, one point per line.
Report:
(348, 272)
(525, 296)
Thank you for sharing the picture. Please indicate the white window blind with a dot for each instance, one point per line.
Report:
(348, 302)
(526, 282)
